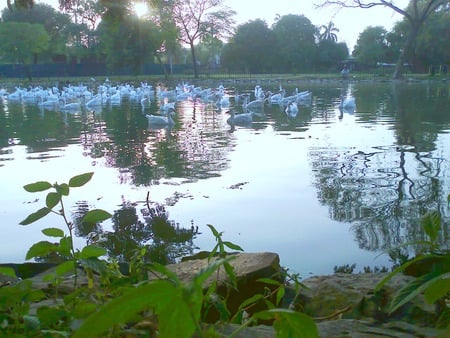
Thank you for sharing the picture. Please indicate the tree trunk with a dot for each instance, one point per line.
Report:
(194, 60)
(166, 74)
(410, 41)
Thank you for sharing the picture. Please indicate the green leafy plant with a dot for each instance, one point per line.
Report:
(431, 267)
(88, 256)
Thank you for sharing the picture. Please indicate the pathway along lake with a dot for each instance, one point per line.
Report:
(325, 188)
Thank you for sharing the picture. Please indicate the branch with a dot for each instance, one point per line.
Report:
(361, 4)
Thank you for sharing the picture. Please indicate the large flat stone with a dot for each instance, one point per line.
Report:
(247, 266)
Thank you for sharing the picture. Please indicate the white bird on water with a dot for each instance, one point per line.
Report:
(239, 119)
(348, 103)
(292, 110)
(160, 121)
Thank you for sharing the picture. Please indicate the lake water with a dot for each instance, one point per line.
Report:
(328, 187)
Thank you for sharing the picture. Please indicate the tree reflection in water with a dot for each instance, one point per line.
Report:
(164, 240)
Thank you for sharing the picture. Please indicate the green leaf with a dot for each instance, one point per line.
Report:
(62, 189)
(252, 300)
(232, 246)
(438, 289)
(65, 246)
(95, 216)
(412, 289)
(204, 273)
(35, 216)
(289, 323)
(91, 251)
(280, 294)
(213, 230)
(52, 199)
(230, 273)
(83, 309)
(94, 264)
(7, 271)
(39, 249)
(401, 268)
(161, 295)
(431, 223)
(53, 232)
(269, 281)
(64, 268)
(37, 186)
(49, 316)
(80, 180)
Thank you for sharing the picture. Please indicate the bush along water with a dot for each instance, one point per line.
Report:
(112, 304)
(431, 267)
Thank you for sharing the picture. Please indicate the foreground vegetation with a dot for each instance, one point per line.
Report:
(115, 304)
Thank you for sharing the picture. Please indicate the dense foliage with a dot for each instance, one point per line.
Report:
(202, 33)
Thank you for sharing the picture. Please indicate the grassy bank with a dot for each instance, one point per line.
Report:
(11, 83)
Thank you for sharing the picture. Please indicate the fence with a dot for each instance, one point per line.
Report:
(80, 70)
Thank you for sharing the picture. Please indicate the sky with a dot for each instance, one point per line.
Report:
(350, 22)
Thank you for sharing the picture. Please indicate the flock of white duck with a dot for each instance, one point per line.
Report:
(79, 98)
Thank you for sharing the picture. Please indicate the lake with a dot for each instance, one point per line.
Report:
(325, 188)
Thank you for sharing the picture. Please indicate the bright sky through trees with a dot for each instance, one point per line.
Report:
(350, 22)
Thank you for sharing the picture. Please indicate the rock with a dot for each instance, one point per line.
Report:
(248, 268)
(353, 328)
(355, 295)
(45, 281)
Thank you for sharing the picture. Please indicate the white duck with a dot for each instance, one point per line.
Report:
(160, 121)
(239, 119)
(255, 105)
(347, 104)
(292, 110)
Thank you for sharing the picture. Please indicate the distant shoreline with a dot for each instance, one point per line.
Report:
(11, 83)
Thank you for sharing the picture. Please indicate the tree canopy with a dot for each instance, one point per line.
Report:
(198, 20)
(416, 13)
(22, 42)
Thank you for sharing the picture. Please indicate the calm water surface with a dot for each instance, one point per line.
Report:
(326, 188)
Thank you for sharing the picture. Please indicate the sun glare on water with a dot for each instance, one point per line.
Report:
(141, 9)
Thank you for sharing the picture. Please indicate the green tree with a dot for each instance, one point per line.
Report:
(22, 42)
(295, 43)
(328, 32)
(433, 43)
(198, 19)
(129, 43)
(250, 49)
(56, 24)
(330, 54)
(371, 46)
(417, 13)
(19, 4)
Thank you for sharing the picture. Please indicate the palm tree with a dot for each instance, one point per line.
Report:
(328, 32)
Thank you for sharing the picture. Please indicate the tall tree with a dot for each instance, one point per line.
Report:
(22, 42)
(328, 32)
(371, 46)
(19, 4)
(55, 23)
(251, 49)
(417, 13)
(198, 19)
(295, 46)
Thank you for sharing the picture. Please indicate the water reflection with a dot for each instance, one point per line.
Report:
(383, 189)
(377, 167)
